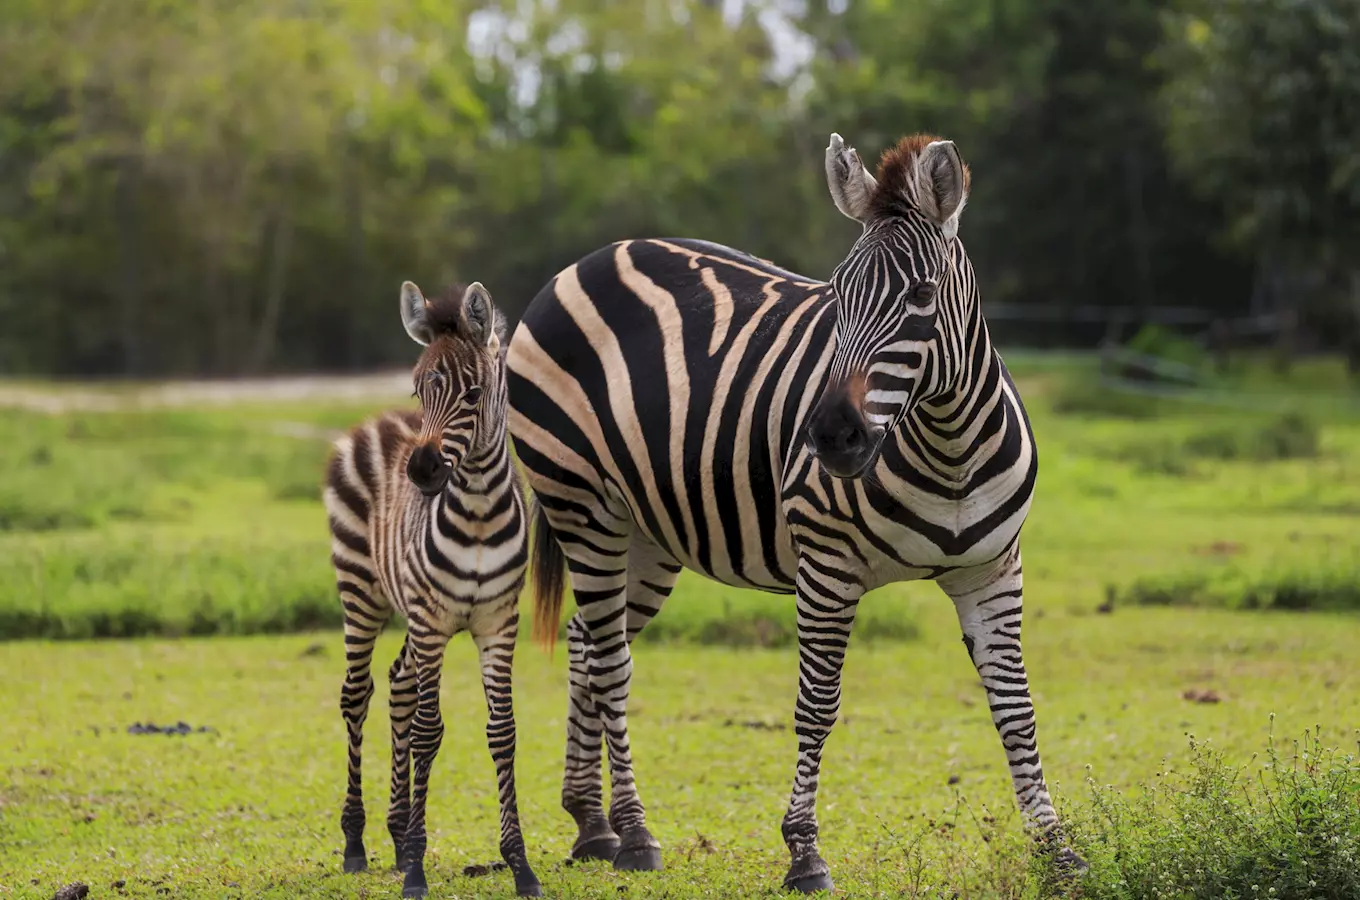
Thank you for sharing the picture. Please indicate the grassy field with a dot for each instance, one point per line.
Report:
(251, 809)
(1167, 557)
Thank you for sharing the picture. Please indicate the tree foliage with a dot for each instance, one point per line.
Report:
(229, 187)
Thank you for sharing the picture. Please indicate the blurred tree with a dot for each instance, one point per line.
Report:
(1264, 117)
(179, 193)
(227, 187)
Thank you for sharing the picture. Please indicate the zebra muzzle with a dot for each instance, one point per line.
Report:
(840, 438)
(427, 469)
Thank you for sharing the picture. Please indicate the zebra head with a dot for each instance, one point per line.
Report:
(459, 379)
(889, 290)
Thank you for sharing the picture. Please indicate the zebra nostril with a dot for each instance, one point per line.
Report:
(854, 439)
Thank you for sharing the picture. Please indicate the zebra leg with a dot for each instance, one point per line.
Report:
(600, 584)
(651, 577)
(402, 702)
(989, 600)
(425, 653)
(497, 654)
(364, 619)
(826, 613)
(582, 783)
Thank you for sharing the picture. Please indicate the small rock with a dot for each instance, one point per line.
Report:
(1195, 695)
(954, 779)
(119, 884)
(1108, 606)
(480, 870)
(76, 890)
(313, 650)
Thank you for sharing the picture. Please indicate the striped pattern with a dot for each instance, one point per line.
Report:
(678, 404)
(428, 520)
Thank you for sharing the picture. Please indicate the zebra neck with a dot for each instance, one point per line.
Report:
(482, 473)
(943, 431)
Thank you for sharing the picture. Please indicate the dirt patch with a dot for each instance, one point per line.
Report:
(1218, 548)
(109, 397)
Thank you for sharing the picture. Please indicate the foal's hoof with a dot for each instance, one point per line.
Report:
(809, 884)
(808, 873)
(356, 858)
(1069, 863)
(638, 859)
(604, 847)
(526, 885)
(414, 885)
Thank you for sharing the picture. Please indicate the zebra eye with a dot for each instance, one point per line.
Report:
(923, 291)
(434, 379)
(473, 395)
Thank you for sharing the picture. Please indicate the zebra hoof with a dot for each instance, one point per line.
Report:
(604, 847)
(355, 864)
(810, 884)
(638, 859)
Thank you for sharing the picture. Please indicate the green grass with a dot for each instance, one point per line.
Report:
(256, 803)
(1209, 528)
(192, 522)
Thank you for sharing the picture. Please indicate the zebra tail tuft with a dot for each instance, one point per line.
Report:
(549, 573)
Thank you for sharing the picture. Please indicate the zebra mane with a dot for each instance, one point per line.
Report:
(896, 190)
(445, 317)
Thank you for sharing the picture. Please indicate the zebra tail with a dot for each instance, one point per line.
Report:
(549, 573)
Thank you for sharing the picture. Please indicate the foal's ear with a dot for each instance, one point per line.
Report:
(481, 317)
(415, 314)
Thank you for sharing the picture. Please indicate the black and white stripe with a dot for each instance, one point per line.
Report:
(428, 519)
(680, 404)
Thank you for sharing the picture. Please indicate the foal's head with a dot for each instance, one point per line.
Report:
(459, 379)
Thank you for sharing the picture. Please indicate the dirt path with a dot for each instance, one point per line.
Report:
(95, 396)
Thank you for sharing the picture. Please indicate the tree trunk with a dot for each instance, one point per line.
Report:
(127, 223)
(1353, 327)
(266, 332)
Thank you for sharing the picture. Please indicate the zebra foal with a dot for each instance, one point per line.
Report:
(677, 404)
(427, 519)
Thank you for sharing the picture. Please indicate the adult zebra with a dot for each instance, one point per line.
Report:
(680, 404)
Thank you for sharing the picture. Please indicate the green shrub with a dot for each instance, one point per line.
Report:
(1282, 827)
(1286, 437)
(1087, 396)
(765, 620)
(1290, 436)
(1163, 343)
(1324, 587)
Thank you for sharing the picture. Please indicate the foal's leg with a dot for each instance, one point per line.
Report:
(988, 600)
(425, 653)
(497, 654)
(365, 614)
(402, 703)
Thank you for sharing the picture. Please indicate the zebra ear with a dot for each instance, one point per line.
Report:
(942, 185)
(852, 187)
(480, 315)
(415, 315)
